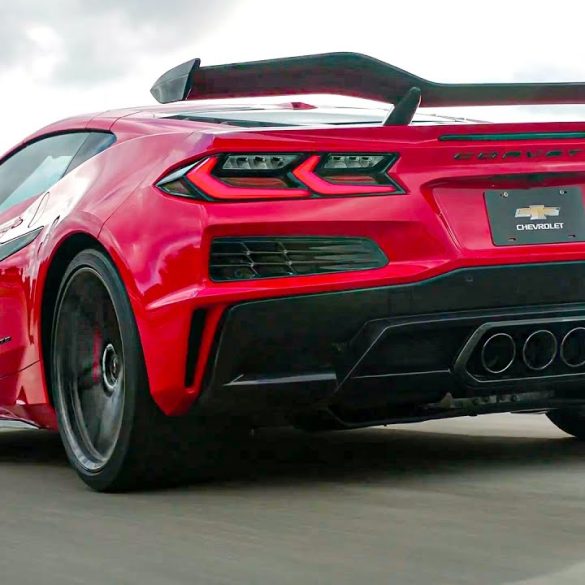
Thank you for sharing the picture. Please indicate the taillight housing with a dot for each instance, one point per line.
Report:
(260, 176)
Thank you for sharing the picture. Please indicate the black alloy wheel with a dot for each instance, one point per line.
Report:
(114, 435)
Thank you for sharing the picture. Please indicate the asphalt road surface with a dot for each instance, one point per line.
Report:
(486, 501)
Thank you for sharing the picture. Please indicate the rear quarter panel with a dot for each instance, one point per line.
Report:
(80, 203)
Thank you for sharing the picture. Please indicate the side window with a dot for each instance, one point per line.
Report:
(94, 144)
(37, 167)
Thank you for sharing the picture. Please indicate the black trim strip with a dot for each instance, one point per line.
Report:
(10, 247)
(512, 136)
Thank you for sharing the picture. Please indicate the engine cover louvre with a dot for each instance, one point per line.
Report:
(247, 258)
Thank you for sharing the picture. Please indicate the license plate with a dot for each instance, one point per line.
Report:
(544, 215)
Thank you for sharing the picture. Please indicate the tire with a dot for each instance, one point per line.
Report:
(115, 436)
(570, 421)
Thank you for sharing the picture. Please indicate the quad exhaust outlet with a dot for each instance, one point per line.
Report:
(539, 350)
(498, 353)
(573, 348)
(520, 349)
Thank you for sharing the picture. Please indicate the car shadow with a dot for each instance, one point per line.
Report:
(396, 455)
(31, 446)
(275, 455)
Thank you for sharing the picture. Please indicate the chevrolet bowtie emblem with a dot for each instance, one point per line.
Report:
(537, 211)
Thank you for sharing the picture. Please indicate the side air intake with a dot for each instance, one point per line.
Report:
(271, 257)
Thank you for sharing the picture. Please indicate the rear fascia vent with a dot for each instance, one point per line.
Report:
(249, 258)
(194, 345)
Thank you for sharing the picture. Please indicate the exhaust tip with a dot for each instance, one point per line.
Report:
(573, 348)
(498, 353)
(539, 350)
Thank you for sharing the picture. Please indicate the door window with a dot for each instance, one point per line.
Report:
(38, 166)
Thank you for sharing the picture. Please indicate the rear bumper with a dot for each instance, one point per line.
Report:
(370, 349)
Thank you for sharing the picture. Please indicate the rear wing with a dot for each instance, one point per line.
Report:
(349, 74)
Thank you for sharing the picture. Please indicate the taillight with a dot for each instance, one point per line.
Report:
(258, 176)
(213, 184)
(320, 175)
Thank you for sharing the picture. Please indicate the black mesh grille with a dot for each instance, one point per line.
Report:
(270, 257)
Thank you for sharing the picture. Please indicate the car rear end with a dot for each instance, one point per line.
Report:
(329, 268)
(346, 275)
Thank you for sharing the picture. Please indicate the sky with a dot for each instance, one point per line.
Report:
(64, 57)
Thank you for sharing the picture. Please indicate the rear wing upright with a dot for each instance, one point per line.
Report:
(349, 74)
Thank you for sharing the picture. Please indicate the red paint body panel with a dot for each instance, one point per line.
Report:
(160, 243)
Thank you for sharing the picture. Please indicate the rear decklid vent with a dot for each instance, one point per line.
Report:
(271, 257)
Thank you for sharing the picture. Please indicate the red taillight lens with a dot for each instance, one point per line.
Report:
(213, 186)
(256, 182)
(313, 173)
(259, 176)
(352, 180)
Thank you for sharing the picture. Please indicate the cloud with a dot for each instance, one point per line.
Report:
(63, 57)
(80, 43)
(548, 72)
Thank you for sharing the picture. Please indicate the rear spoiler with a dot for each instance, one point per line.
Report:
(349, 74)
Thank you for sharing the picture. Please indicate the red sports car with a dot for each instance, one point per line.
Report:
(172, 276)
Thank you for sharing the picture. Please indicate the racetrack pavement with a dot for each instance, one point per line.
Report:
(484, 501)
